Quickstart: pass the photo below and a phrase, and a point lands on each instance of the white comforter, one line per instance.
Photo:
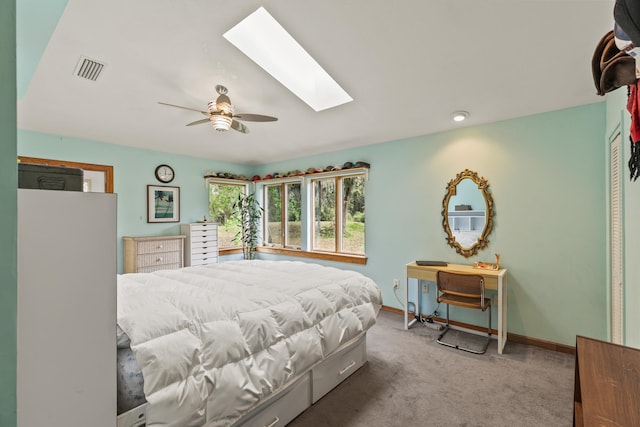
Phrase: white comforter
(214, 341)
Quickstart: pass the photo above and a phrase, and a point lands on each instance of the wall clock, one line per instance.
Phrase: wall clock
(164, 173)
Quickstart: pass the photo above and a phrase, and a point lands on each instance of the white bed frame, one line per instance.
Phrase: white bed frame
(282, 407)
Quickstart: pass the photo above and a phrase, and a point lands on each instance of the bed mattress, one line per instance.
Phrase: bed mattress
(215, 341)
(130, 382)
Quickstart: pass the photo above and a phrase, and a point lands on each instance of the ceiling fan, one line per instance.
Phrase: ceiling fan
(221, 114)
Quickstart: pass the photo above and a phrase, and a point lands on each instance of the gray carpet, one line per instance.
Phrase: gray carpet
(410, 380)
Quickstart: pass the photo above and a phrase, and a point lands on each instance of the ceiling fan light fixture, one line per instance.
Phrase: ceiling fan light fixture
(221, 122)
(223, 104)
(460, 116)
(221, 111)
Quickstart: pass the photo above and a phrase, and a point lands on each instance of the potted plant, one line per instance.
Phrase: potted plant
(249, 212)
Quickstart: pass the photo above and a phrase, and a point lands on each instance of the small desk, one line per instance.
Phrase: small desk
(606, 384)
(493, 280)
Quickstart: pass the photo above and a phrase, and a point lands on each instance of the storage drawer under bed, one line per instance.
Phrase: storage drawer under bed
(285, 408)
(337, 368)
(136, 417)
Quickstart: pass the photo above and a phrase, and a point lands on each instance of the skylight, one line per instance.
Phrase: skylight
(262, 38)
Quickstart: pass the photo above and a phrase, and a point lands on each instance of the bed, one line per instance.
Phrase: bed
(238, 343)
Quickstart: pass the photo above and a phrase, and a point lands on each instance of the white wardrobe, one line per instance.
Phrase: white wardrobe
(66, 349)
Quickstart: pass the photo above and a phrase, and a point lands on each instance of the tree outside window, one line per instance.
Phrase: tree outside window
(222, 196)
(283, 225)
(338, 214)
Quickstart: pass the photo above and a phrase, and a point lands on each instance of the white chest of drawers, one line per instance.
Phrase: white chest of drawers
(201, 243)
(151, 253)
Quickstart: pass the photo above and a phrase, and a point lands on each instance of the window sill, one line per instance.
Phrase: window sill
(329, 256)
(229, 251)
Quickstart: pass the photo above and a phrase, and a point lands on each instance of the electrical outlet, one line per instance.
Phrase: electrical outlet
(425, 288)
(396, 283)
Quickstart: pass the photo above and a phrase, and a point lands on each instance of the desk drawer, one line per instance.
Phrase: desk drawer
(337, 368)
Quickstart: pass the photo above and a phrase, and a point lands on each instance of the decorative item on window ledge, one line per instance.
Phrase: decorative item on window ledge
(291, 173)
(225, 175)
(163, 203)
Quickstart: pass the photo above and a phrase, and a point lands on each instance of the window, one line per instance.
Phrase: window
(319, 215)
(222, 196)
(283, 225)
(338, 214)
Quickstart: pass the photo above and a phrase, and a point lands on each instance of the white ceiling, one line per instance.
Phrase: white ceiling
(408, 64)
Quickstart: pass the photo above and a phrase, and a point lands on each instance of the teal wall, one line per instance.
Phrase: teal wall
(8, 214)
(546, 174)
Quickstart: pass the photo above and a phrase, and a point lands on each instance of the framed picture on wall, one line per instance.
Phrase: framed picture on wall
(163, 203)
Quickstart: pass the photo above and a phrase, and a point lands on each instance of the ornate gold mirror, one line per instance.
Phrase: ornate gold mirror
(467, 213)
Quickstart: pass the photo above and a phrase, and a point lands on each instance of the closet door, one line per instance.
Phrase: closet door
(66, 349)
(616, 235)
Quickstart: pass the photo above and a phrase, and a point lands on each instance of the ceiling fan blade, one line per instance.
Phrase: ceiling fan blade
(198, 122)
(206, 113)
(254, 117)
(239, 126)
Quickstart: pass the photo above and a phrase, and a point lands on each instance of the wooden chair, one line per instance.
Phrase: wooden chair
(463, 290)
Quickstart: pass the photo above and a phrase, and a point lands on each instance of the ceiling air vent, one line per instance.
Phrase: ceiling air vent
(89, 69)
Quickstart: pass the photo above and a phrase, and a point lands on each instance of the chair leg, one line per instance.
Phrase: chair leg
(446, 329)
(447, 315)
(486, 344)
(489, 320)
(442, 334)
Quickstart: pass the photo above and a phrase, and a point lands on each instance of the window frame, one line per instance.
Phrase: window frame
(226, 181)
(284, 213)
(338, 181)
(306, 191)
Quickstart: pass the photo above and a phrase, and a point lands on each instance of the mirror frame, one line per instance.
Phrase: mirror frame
(483, 186)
